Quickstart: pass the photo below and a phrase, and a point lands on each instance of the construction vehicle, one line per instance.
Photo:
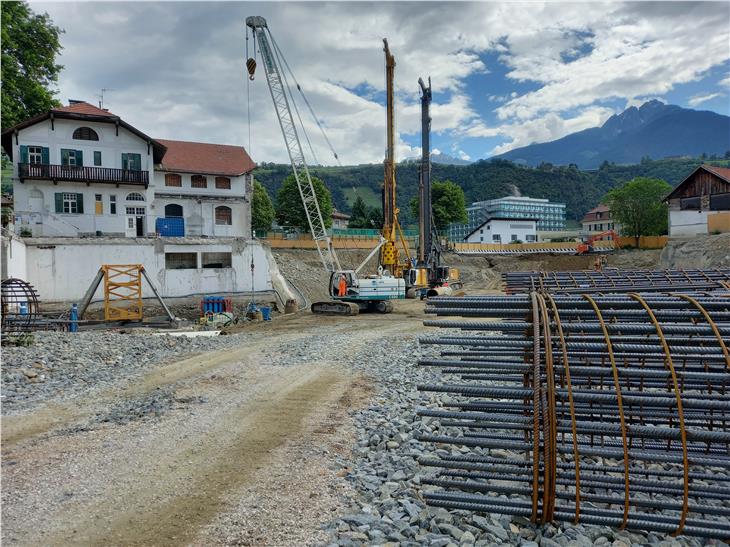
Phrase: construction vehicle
(370, 292)
(586, 247)
(429, 275)
(394, 254)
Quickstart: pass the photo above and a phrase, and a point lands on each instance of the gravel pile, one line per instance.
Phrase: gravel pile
(385, 473)
(62, 365)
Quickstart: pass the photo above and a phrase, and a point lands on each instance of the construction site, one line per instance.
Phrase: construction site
(404, 393)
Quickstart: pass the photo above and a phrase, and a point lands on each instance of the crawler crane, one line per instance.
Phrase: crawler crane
(350, 293)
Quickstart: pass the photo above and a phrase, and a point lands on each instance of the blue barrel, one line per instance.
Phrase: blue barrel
(265, 312)
(170, 226)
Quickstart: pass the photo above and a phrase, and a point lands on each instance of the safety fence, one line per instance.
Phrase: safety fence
(569, 247)
(609, 410)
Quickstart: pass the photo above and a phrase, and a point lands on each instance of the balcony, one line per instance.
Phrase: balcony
(73, 173)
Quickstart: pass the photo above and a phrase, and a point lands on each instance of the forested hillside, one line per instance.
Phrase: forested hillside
(487, 179)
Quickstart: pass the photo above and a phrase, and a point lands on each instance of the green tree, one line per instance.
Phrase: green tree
(637, 206)
(30, 44)
(447, 202)
(360, 217)
(289, 207)
(262, 210)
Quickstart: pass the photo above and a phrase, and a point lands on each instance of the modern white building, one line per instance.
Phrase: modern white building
(504, 230)
(82, 171)
(550, 216)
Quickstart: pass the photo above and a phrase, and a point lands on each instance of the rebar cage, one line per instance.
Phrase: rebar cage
(20, 307)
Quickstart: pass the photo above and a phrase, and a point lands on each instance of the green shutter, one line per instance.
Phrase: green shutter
(59, 202)
(124, 160)
(64, 156)
(80, 203)
(45, 156)
(79, 158)
(23, 153)
(136, 162)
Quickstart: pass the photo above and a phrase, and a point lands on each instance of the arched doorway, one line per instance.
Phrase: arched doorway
(173, 210)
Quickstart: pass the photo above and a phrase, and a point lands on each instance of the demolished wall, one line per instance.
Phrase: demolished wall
(698, 252)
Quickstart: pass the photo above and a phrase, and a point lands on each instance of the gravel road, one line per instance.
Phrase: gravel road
(298, 432)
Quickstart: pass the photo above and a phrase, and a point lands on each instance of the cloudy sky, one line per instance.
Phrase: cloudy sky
(504, 74)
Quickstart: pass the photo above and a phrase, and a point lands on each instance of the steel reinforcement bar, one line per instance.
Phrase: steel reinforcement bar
(614, 280)
(597, 409)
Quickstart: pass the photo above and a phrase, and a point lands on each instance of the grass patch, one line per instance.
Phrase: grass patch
(368, 195)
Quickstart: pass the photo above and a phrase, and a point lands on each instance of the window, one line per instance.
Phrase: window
(97, 157)
(198, 181)
(70, 203)
(496, 238)
(172, 179)
(181, 261)
(132, 162)
(513, 237)
(98, 205)
(173, 210)
(531, 238)
(72, 157)
(113, 205)
(135, 211)
(216, 260)
(135, 196)
(35, 154)
(223, 183)
(223, 215)
(85, 134)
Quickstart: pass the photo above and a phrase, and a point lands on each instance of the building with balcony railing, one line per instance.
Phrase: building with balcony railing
(80, 170)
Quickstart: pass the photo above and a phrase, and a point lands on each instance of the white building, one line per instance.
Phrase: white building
(599, 220)
(82, 171)
(90, 189)
(504, 230)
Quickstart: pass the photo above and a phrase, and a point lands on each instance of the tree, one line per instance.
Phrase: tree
(262, 210)
(30, 44)
(289, 206)
(637, 206)
(447, 202)
(360, 217)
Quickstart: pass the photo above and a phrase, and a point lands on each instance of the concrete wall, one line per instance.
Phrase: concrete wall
(13, 258)
(62, 269)
(687, 223)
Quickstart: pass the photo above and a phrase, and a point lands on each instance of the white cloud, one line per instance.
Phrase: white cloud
(725, 82)
(181, 71)
(463, 155)
(699, 99)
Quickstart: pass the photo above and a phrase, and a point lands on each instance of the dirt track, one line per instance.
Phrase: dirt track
(184, 478)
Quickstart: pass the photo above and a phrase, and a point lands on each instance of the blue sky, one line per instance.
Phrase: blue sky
(504, 74)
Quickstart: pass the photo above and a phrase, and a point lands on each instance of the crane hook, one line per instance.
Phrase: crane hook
(251, 66)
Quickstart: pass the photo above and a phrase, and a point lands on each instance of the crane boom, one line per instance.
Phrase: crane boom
(277, 86)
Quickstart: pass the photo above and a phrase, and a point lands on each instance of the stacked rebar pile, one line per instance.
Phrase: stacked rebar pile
(610, 410)
(614, 280)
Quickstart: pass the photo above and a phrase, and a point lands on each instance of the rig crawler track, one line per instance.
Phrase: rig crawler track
(614, 409)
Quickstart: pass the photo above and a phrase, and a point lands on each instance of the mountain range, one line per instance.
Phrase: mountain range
(654, 130)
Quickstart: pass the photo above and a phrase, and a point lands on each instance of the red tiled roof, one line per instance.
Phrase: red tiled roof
(590, 216)
(722, 172)
(203, 158)
(84, 108)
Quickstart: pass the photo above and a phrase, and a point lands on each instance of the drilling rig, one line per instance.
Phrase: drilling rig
(429, 274)
(350, 292)
(394, 254)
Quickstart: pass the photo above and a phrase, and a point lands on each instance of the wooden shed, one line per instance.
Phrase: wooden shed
(698, 200)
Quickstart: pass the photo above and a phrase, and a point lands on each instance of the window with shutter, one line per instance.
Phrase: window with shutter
(223, 215)
(97, 157)
(173, 179)
(198, 181)
(35, 154)
(223, 183)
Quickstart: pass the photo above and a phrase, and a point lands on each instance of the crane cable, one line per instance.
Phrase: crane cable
(251, 66)
(306, 101)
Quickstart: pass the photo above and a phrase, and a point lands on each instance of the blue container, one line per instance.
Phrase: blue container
(23, 308)
(170, 226)
(265, 312)
(73, 325)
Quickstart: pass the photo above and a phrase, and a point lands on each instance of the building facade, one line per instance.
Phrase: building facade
(700, 204)
(82, 171)
(550, 216)
(599, 220)
(504, 230)
(339, 220)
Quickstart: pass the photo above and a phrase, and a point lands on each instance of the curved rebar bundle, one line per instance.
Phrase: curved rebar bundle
(614, 409)
(613, 280)
(19, 306)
